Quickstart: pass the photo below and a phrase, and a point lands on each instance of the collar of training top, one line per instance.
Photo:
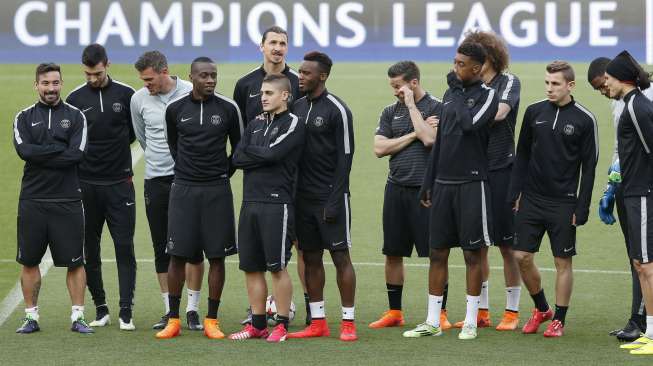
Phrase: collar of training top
(325, 92)
(103, 87)
(274, 117)
(630, 94)
(285, 70)
(571, 103)
(198, 101)
(45, 105)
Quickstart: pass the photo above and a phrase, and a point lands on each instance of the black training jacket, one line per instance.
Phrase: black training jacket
(247, 92)
(52, 141)
(269, 153)
(634, 143)
(328, 151)
(459, 153)
(197, 132)
(110, 131)
(555, 145)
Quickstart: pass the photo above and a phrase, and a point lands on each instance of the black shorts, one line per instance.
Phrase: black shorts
(461, 216)
(405, 222)
(57, 224)
(314, 233)
(264, 239)
(157, 195)
(537, 216)
(639, 211)
(502, 214)
(201, 221)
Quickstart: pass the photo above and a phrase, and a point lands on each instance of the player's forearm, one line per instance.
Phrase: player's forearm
(423, 131)
(386, 146)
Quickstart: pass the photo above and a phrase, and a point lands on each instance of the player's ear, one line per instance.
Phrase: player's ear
(323, 76)
(571, 84)
(285, 95)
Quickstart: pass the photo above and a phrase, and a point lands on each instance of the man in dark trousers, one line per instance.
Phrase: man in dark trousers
(201, 215)
(105, 177)
(322, 205)
(455, 187)
(51, 136)
(558, 143)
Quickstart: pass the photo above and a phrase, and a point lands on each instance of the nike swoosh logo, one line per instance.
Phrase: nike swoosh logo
(186, 119)
(254, 95)
(445, 103)
(87, 109)
(336, 244)
(76, 259)
(398, 117)
(36, 123)
(130, 203)
(567, 250)
(255, 131)
(507, 237)
(474, 242)
(540, 122)
(228, 249)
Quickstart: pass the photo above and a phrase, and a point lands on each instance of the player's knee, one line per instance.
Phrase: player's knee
(563, 264)
(438, 256)
(472, 258)
(523, 258)
(341, 260)
(312, 257)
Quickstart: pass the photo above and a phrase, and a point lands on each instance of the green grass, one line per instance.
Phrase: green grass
(600, 301)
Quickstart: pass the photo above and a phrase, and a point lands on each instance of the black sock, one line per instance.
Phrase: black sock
(174, 306)
(259, 321)
(101, 310)
(540, 301)
(394, 296)
(213, 309)
(445, 295)
(308, 308)
(282, 320)
(125, 314)
(561, 313)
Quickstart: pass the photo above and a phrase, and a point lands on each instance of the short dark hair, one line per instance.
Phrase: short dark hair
(495, 48)
(199, 60)
(273, 29)
(154, 59)
(473, 50)
(45, 68)
(564, 67)
(323, 60)
(94, 54)
(408, 70)
(597, 68)
(280, 80)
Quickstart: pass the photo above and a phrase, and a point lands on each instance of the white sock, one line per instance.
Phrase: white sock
(77, 312)
(347, 313)
(32, 313)
(649, 326)
(434, 308)
(484, 295)
(193, 303)
(317, 309)
(473, 303)
(166, 301)
(512, 298)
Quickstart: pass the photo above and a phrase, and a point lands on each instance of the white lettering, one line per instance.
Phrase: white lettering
(62, 24)
(199, 26)
(551, 16)
(342, 17)
(254, 18)
(529, 26)
(20, 24)
(434, 25)
(398, 33)
(234, 24)
(477, 20)
(115, 24)
(150, 20)
(597, 23)
(302, 19)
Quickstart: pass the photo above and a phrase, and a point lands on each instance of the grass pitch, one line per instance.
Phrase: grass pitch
(600, 302)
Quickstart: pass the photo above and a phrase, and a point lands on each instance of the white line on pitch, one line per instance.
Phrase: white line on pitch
(381, 264)
(11, 301)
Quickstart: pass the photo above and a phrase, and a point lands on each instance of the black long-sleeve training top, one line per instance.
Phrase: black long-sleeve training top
(110, 131)
(555, 145)
(328, 151)
(52, 141)
(269, 153)
(247, 92)
(197, 132)
(634, 143)
(501, 147)
(459, 153)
